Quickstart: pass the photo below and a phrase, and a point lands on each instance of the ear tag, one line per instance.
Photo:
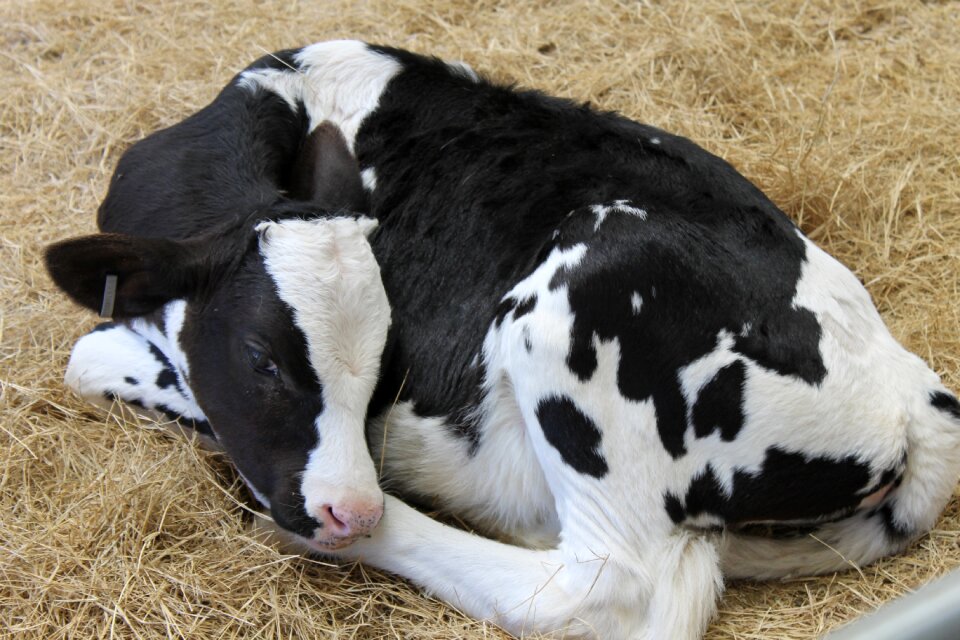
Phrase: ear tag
(109, 296)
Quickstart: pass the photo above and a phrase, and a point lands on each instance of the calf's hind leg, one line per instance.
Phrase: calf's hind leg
(115, 362)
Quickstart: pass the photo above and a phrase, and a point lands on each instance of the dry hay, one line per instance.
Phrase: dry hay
(846, 116)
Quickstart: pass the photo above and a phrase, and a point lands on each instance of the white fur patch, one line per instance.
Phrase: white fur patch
(340, 81)
(617, 206)
(325, 271)
(423, 457)
(369, 178)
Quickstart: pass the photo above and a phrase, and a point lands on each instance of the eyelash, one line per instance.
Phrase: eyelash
(259, 361)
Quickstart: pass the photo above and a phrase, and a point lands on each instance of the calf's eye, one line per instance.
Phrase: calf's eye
(260, 361)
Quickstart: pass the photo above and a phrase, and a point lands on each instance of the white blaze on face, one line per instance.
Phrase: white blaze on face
(326, 272)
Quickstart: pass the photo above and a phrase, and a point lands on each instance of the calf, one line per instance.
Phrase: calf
(608, 345)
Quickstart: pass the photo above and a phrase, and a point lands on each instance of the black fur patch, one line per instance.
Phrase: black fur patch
(674, 508)
(231, 159)
(778, 531)
(720, 403)
(289, 511)
(789, 486)
(200, 426)
(166, 378)
(133, 402)
(519, 308)
(573, 434)
(168, 375)
(506, 305)
(895, 531)
(526, 306)
(947, 403)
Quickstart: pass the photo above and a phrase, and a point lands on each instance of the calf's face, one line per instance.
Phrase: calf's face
(283, 329)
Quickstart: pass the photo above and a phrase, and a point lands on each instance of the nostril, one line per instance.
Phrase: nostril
(346, 519)
(337, 523)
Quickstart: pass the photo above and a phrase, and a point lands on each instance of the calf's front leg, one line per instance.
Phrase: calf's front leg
(667, 591)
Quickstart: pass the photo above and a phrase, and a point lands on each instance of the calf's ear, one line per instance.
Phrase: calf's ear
(119, 275)
(326, 173)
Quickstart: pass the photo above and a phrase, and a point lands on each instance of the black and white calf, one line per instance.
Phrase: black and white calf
(606, 344)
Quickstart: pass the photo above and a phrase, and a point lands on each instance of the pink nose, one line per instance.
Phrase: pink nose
(346, 521)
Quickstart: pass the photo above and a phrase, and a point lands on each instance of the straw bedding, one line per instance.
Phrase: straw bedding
(846, 116)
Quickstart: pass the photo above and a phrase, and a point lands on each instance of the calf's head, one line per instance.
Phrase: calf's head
(284, 326)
